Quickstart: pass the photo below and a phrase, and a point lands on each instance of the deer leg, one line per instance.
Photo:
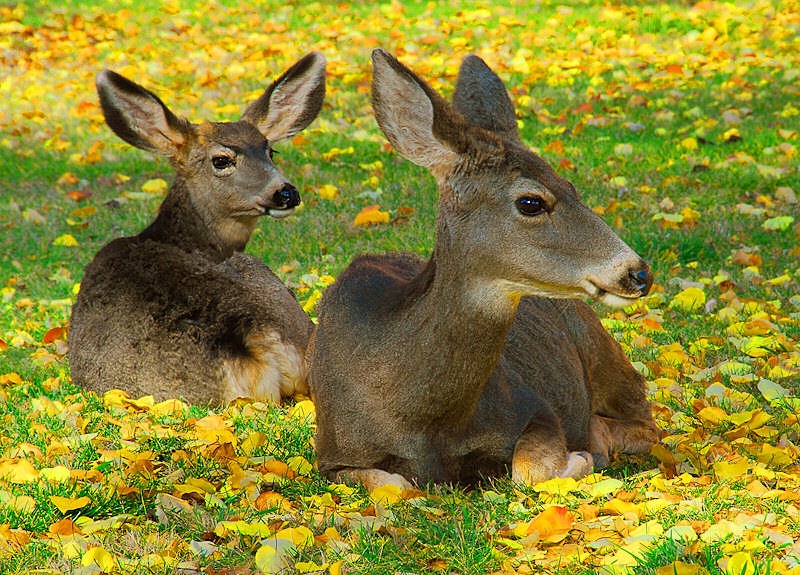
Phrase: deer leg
(541, 454)
(623, 435)
(621, 419)
(372, 478)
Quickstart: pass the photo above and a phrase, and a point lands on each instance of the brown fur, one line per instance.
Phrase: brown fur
(179, 310)
(450, 369)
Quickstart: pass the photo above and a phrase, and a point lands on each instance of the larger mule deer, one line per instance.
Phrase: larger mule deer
(451, 369)
(179, 310)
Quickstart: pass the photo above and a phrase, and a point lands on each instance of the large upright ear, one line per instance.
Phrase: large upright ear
(417, 121)
(482, 99)
(292, 101)
(138, 116)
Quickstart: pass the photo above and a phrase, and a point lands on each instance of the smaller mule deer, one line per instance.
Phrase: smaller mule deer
(454, 369)
(179, 310)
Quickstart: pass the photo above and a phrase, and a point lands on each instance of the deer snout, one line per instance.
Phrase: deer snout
(640, 279)
(287, 197)
(284, 200)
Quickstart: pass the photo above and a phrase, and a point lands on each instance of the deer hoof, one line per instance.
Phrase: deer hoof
(579, 464)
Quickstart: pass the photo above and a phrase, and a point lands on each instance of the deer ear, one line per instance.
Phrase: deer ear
(482, 99)
(138, 116)
(292, 101)
(419, 124)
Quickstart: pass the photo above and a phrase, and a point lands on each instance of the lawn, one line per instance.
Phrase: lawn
(677, 122)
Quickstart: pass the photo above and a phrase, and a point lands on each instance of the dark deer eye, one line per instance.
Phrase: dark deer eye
(222, 162)
(531, 206)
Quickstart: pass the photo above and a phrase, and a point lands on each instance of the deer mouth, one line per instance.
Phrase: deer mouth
(610, 297)
(279, 213)
(269, 209)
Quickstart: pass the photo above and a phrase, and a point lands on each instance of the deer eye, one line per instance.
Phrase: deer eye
(531, 206)
(222, 162)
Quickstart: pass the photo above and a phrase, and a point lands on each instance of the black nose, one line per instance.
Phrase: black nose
(641, 279)
(287, 197)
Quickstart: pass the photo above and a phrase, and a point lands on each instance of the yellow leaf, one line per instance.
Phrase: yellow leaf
(66, 504)
(333, 152)
(223, 528)
(214, 429)
(691, 299)
(328, 192)
(604, 487)
(725, 470)
(272, 556)
(712, 415)
(304, 410)
(155, 186)
(100, 557)
(10, 378)
(67, 240)
(311, 303)
(170, 407)
(619, 507)
(300, 465)
(309, 567)
(254, 441)
(740, 563)
(778, 223)
(386, 494)
(779, 372)
(774, 456)
(689, 144)
(300, 536)
(371, 215)
(57, 474)
(557, 486)
(18, 470)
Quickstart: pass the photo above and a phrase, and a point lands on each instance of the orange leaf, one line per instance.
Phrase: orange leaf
(279, 468)
(53, 334)
(675, 69)
(78, 195)
(371, 215)
(552, 523)
(64, 527)
(566, 164)
(67, 179)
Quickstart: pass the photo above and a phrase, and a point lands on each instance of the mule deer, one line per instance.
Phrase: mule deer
(454, 368)
(179, 310)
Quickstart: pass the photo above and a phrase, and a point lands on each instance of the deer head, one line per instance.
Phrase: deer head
(225, 167)
(504, 213)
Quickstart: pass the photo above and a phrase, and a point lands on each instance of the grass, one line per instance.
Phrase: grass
(634, 102)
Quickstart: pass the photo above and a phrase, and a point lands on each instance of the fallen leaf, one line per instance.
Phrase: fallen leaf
(371, 215)
(67, 504)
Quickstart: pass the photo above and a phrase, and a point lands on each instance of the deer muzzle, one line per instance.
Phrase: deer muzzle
(285, 200)
(633, 283)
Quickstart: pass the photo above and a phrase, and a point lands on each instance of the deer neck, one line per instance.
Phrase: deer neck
(459, 322)
(183, 224)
